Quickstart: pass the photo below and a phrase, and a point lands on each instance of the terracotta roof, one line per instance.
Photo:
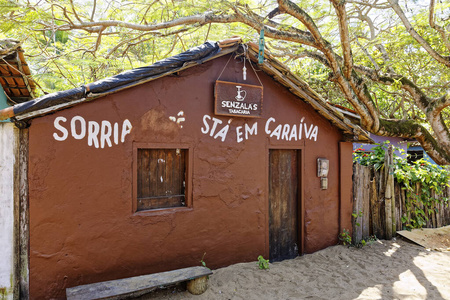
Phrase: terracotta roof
(15, 76)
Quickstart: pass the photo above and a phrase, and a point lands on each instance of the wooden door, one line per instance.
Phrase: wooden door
(283, 204)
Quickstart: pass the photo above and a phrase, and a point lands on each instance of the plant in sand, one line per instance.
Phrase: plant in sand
(263, 263)
(345, 237)
(202, 261)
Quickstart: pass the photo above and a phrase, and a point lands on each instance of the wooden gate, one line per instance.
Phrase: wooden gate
(283, 203)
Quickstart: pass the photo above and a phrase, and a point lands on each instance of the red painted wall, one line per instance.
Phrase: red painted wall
(82, 225)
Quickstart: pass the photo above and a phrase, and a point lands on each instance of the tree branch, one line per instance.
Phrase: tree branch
(298, 13)
(374, 63)
(93, 11)
(339, 7)
(438, 28)
(74, 11)
(207, 17)
(440, 103)
(128, 41)
(379, 6)
(410, 128)
(445, 60)
(275, 30)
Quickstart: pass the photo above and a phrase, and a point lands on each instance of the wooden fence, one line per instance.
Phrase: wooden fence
(379, 210)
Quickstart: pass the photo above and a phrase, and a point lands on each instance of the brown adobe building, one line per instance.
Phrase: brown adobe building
(150, 176)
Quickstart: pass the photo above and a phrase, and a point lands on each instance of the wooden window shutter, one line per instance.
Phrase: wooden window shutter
(161, 178)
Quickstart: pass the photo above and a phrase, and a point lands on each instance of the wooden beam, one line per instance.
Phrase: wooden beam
(6, 113)
(21, 284)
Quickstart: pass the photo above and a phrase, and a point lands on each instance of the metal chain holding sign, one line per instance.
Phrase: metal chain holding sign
(245, 47)
(244, 69)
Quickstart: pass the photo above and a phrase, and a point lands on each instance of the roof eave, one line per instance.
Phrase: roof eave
(271, 66)
(93, 96)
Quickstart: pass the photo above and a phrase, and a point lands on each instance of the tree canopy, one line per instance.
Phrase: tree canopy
(389, 60)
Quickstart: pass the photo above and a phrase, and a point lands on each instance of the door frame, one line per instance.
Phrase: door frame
(300, 200)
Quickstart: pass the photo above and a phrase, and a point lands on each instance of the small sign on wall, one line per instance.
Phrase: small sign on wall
(238, 99)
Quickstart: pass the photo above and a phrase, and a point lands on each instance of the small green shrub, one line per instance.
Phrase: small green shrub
(202, 261)
(345, 237)
(263, 264)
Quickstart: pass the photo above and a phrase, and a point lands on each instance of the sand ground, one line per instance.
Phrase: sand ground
(394, 269)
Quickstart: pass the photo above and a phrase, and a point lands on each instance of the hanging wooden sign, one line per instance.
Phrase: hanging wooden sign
(238, 99)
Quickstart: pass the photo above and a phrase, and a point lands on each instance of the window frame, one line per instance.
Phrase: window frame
(187, 179)
(412, 155)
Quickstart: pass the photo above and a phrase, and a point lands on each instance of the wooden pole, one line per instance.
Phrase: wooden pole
(388, 196)
(21, 206)
(440, 212)
(381, 183)
(391, 180)
(365, 203)
(433, 210)
(405, 212)
(6, 113)
(357, 203)
(375, 208)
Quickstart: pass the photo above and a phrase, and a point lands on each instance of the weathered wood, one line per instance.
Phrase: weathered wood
(366, 203)
(433, 211)
(391, 182)
(408, 209)
(446, 211)
(419, 193)
(428, 217)
(134, 286)
(161, 175)
(370, 185)
(21, 216)
(380, 188)
(439, 214)
(357, 203)
(405, 212)
(382, 206)
(375, 208)
(238, 99)
(283, 204)
(388, 196)
(6, 113)
(356, 187)
(17, 215)
(398, 207)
